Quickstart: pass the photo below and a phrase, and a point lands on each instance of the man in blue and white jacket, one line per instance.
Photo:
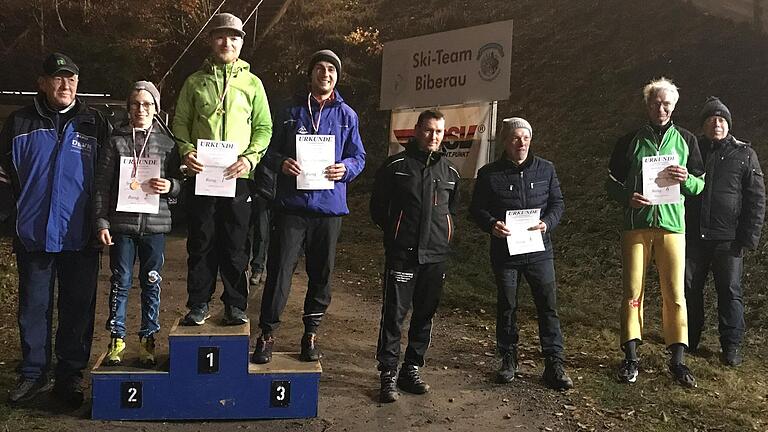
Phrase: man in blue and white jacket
(48, 154)
(308, 220)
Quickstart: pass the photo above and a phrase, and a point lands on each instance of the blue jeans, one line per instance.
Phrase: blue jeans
(122, 256)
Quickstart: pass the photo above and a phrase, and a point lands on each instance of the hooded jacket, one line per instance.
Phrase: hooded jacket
(732, 205)
(159, 146)
(242, 117)
(335, 118)
(414, 200)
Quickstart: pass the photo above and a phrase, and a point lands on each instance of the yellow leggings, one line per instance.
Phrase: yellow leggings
(668, 251)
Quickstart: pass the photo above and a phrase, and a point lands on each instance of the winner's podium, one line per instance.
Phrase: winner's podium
(206, 375)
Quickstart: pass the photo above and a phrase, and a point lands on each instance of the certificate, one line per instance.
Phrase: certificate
(216, 156)
(521, 240)
(315, 153)
(133, 191)
(658, 186)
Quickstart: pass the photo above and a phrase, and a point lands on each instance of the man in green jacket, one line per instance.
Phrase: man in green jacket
(652, 228)
(223, 101)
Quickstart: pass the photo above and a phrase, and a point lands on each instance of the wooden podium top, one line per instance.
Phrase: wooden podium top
(214, 326)
(285, 362)
(130, 364)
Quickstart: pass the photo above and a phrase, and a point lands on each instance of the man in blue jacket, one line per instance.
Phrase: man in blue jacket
(308, 220)
(519, 180)
(48, 153)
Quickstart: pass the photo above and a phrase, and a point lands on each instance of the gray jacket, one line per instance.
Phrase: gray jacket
(161, 146)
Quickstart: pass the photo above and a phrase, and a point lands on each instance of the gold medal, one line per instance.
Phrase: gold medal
(134, 184)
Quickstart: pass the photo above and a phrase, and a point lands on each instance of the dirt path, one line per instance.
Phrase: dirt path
(460, 371)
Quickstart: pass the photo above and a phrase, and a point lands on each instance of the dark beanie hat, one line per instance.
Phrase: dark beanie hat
(714, 107)
(324, 55)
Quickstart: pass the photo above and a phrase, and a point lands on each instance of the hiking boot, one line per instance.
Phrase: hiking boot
(731, 356)
(682, 375)
(196, 316)
(263, 352)
(628, 371)
(409, 380)
(147, 351)
(233, 315)
(115, 352)
(309, 350)
(506, 373)
(27, 388)
(554, 374)
(255, 278)
(388, 392)
(69, 390)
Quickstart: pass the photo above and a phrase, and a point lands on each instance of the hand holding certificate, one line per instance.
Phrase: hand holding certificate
(659, 185)
(521, 238)
(315, 153)
(215, 157)
(135, 191)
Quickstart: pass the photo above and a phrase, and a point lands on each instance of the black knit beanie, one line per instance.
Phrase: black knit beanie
(714, 107)
(324, 55)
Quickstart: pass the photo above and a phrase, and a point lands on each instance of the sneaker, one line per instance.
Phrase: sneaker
(69, 390)
(27, 388)
(628, 371)
(196, 315)
(233, 315)
(255, 278)
(147, 351)
(409, 380)
(263, 352)
(682, 375)
(309, 350)
(554, 375)
(506, 373)
(731, 356)
(115, 351)
(388, 392)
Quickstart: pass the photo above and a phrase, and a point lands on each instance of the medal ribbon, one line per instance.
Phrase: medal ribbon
(141, 152)
(315, 126)
(227, 80)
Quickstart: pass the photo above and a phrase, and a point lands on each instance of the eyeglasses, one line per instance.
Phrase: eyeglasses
(145, 105)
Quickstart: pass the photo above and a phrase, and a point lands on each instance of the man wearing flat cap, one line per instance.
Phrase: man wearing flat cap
(48, 154)
(222, 101)
(308, 218)
(722, 222)
(520, 180)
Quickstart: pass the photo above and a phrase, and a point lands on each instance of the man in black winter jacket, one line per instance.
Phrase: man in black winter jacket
(413, 201)
(723, 221)
(519, 180)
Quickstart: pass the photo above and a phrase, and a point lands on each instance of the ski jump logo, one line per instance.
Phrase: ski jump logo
(456, 137)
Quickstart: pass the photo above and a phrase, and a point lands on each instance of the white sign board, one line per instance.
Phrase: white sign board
(467, 134)
(454, 67)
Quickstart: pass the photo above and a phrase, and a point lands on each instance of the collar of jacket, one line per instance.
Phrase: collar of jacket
(506, 163)
(41, 105)
(209, 66)
(126, 128)
(426, 157)
(300, 99)
(728, 140)
(660, 130)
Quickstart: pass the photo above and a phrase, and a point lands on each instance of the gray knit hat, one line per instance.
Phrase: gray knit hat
(226, 21)
(324, 55)
(714, 107)
(148, 87)
(516, 122)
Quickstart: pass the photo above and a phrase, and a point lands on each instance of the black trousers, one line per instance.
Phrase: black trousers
(406, 285)
(725, 260)
(260, 219)
(541, 278)
(316, 235)
(218, 244)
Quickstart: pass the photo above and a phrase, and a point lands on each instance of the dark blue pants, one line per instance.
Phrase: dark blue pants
(408, 285)
(260, 219)
(77, 274)
(122, 256)
(725, 260)
(541, 278)
(292, 234)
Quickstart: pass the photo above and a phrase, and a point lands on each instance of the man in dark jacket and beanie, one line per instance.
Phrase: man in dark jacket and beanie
(308, 220)
(520, 180)
(722, 222)
(414, 201)
(48, 154)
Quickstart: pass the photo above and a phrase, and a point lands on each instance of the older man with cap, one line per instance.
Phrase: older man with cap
(655, 229)
(721, 223)
(520, 180)
(222, 101)
(308, 217)
(48, 154)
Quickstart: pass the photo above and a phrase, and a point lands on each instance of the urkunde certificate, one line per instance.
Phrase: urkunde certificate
(658, 186)
(314, 153)
(215, 156)
(521, 240)
(133, 191)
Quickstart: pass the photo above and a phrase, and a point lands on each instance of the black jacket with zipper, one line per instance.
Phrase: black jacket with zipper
(503, 185)
(414, 201)
(732, 205)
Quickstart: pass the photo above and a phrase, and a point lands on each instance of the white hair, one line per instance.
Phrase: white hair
(660, 85)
